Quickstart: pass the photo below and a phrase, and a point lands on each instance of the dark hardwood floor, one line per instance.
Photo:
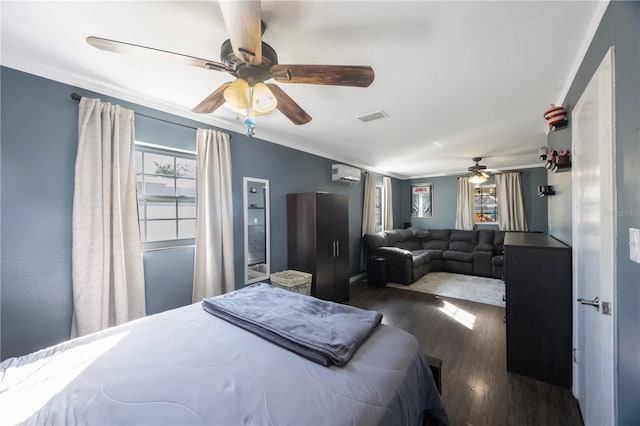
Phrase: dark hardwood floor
(470, 339)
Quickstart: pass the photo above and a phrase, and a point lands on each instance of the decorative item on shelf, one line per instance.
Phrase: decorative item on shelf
(544, 190)
(556, 117)
(562, 162)
(558, 162)
(551, 159)
(563, 157)
(543, 151)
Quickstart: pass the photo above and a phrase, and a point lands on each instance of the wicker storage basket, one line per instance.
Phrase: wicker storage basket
(296, 281)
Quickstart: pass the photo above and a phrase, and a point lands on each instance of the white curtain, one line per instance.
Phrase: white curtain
(369, 206)
(388, 203)
(465, 209)
(214, 266)
(368, 212)
(107, 270)
(510, 205)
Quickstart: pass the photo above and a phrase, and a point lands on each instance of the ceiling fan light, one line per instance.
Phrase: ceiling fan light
(477, 178)
(263, 100)
(237, 94)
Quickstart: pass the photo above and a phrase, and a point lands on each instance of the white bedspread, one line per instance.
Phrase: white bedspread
(185, 367)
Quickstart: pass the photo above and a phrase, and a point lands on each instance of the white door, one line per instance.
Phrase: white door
(593, 181)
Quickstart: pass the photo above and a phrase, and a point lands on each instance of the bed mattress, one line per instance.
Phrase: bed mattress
(186, 367)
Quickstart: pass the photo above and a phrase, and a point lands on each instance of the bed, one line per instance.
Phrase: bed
(188, 367)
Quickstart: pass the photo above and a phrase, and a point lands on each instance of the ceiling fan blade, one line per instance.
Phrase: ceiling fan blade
(334, 75)
(243, 22)
(212, 102)
(288, 106)
(134, 49)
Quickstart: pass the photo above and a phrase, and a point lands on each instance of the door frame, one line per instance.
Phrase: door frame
(608, 205)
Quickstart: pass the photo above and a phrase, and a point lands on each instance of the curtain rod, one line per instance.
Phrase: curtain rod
(76, 97)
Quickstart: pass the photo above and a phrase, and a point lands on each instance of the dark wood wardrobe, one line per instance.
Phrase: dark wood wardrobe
(318, 241)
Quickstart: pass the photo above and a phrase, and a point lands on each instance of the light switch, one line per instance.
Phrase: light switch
(634, 244)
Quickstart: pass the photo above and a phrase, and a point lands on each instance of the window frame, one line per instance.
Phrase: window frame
(142, 199)
(481, 204)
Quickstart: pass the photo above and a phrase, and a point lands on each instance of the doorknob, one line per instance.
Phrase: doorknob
(595, 302)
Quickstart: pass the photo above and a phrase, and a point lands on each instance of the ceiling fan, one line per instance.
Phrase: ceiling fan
(477, 173)
(251, 61)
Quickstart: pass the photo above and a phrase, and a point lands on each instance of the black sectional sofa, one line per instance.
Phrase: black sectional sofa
(411, 253)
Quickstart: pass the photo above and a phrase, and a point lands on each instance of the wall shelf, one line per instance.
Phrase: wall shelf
(544, 190)
(561, 167)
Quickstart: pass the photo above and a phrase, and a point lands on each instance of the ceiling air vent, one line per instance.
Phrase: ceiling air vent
(376, 115)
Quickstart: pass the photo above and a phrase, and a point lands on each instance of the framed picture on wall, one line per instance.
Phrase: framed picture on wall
(422, 200)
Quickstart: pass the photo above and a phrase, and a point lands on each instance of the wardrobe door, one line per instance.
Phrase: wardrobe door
(301, 233)
(324, 248)
(340, 234)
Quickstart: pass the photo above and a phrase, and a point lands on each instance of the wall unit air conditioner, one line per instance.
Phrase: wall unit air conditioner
(344, 173)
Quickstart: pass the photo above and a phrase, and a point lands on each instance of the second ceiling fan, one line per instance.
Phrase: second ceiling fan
(252, 62)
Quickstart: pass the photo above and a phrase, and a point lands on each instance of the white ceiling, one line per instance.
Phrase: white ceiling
(457, 79)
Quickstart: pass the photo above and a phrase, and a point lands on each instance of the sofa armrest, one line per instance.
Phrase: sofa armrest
(399, 264)
(393, 253)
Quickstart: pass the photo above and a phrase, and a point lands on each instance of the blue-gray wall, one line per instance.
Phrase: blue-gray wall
(620, 27)
(39, 141)
(445, 193)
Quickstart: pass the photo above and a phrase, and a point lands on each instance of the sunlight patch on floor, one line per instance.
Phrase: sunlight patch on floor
(463, 317)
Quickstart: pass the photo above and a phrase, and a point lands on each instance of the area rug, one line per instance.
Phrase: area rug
(467, 287)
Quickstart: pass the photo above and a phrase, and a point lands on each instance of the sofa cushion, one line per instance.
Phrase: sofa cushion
(485, 240)
(420, 232)
(497, 260)
(460, 256)
(421, 257)
(437, 239)
(395, 236)
(435, 254)
(408, 245)
(464, 241)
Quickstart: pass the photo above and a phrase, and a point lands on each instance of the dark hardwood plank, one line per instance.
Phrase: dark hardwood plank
(477, 390)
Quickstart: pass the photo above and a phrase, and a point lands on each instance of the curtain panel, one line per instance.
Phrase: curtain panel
(465, 208)
(511, 216)
(388, 203)
(107, 270)
(368, 212)
(369, 205)
(214, 260)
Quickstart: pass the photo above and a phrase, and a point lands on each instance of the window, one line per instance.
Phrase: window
(166, 185)
(486, 204)
(379, 201)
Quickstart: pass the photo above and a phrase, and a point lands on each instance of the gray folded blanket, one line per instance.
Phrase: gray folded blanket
(324, 332)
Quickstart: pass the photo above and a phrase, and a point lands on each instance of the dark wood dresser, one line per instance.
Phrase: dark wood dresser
(537, 270)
